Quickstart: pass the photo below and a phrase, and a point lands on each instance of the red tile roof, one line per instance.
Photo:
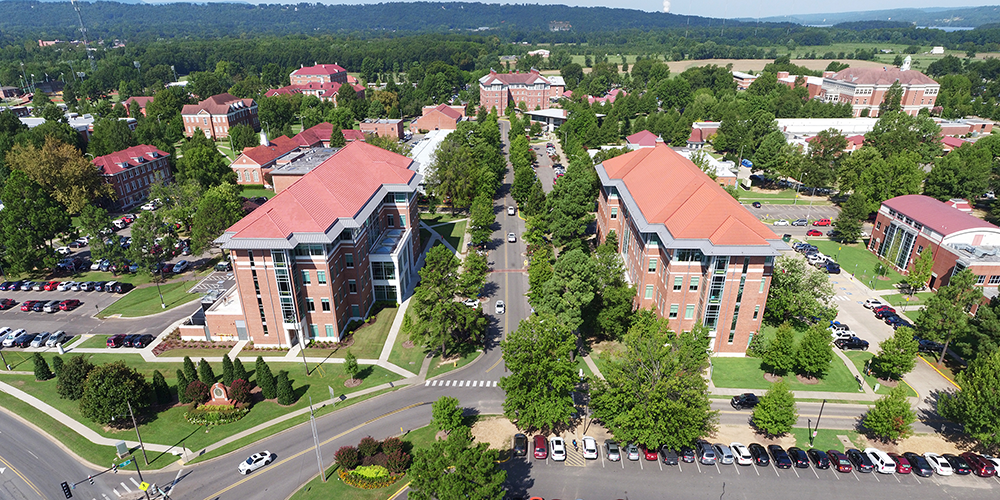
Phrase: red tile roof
(140, 100)
(319, 69)
(950, 143)
(443, 108)
(315, 136)
(353, 135)
(935, 214)
(111, 164)
(885, 76)
(671, 190)
(262, 155)
(528, 78)
(218, 104)
(643, 138)
(339, 187)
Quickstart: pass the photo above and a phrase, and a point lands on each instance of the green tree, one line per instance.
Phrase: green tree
(241, 137)
(182, 385)
(897, 354)
(161, 390)
(945, 314)
(239, 371)
(446, 415)
(93, 221)
(892, 101)
(205, 373)
(474, 272)
(921, 271)
(180, 200)
(337, 139)
(814, 353)
(28, 224)
(891, 419)
(542, 373)
(482, 218)
(351, 365)
(456, 468)
(108, 391)
(848, 222)
(190, 370)
(654, 392)
(204, 163)
(57, 365)
(976, 406)
(779, 358)
(776, 413)
(265, 379)
(898, 132)
(798, 291)
(965, 172)
(42, 371)
(286, 395)
(110, 136)
(227, 371)
(441, 320)
(571, 289)
(218, 209)
(72, 376)
(770, 157)
(67, 176)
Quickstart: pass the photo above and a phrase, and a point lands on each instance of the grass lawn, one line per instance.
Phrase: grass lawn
(146, 301)
(425, 237)
(368, 340)
(859, 358)
(407, 359)
(440, 217)
(95, 341)
(826, 439)
(949, 368)
(745, 373)
(858, 260)
(253, 193)
(452, 233)
(437, 368)
(899, 299)
(582, 365)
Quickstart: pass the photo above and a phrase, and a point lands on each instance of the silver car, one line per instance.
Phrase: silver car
(612, 451)
(51, 306)
(56, 338)
(40, 339)
(706, 454)
(724, 453)
(632, 452)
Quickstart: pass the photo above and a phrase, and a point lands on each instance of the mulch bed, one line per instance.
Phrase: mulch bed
(770, 377)
(408, 344)
(352, 382)
(807, 380)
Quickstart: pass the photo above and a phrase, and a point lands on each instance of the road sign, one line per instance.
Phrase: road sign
(144, 486)
(123, 464)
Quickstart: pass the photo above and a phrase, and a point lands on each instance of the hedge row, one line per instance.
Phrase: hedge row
(215, 415)
(358, 480)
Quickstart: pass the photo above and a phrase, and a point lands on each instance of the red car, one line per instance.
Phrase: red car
(649, 453)
(980, 466)
(814, 232)
(51, 286)
(839, 460)
(7, 303)
(116, 340)
(902, 464)
(822, 222)
(28, 304)
(68, 304)
(541, 447)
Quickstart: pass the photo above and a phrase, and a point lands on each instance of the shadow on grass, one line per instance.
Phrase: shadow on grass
(179, 443)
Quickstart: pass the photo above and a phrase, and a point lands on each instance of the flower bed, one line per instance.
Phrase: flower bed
(173, 341)
(369, 477)
(215, 414)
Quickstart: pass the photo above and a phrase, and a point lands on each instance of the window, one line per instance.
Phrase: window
(310, 305)
(305, 278)
(239, 176)
(920, 248)
(614, 212)
(313, 331)
(652, 265)
(330, 331)
(980, 279)
(355, 311)
(256, 178)
(402, 220)
(878, 225)
(689, 312)
(673, 310)
(693, 284)
(678, 283)
(390, 220)
(326, 304)
(761, 287)
(649, 291)
(352, 286)
(995, 279)
(321, 277)
(756, 311)
(350, 259)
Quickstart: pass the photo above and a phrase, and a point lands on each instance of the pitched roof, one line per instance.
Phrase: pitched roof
(111, 164)
(884, 76)
(353, 135)
(264, 154)
(643, 138)
(443, 108)
(319, 69)
(529, 78)
(671, 190)
(142, 101)
(218, 104)
(338, 188)
(935, 214)
(315, 135)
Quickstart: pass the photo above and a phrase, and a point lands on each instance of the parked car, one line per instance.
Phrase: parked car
(819, 459)
(65, 286)
(255, 461)
(24, 340)
(6, 285)
(939, 464)
(87, 286)
(11, 337)
(589, 448)
(224, 266)
(56, 338)
(51, 286)
(181, 266)
(26, 286)
(744, 401)
(632, 452)
(860, 460)
(6, 303)
(839, 461)
(980, 466)
(39, 340)
(882, 462)
(902, 464)
(116, 340)
(814, 232)
(99, 286)
(851, 343)
(832, 268)
(884, 312)
(612, 451)
(28, 304)
(799, 222)
(121, 287)
(706, 453)
(756, 204)
(669, 455)
(724, 453)
(500, 307)
(822, 222)
(919, 464)
(558, 449)
(127, 341)
(873, 303)
(39, 306)
(541, 448)
(687, 454)
(51, 306)
(759, 455)
(779, 456)
(649, 453)
(798, 457)
(142, 341)
(741, 454)
(958, 464)
(780, 222)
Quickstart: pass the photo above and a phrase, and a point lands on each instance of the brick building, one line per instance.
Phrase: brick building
(531, 88)
(907, 226)
(320, 73)
(383, 128)
(131, 171)
(692, 251)
(324, 91)
(321, 252)
(865, 88)
(136, 105)
(217, 114)
(440, 117)
(253, 163)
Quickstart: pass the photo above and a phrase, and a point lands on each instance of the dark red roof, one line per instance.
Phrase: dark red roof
(111, 164)
(320, 69)
(353, 135)
(882, 76)
(315, 136)
(218, 104)
(263, 155)
(935, 214)
(643, 138)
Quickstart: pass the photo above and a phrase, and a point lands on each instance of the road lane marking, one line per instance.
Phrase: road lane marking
(263, 471)
(815, 473)
(28, 482)
(494, 365)
(136, 483)
(127, 489)
(427, 383)
(796, 472)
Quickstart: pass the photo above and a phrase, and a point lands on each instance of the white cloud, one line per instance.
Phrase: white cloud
(666, 5)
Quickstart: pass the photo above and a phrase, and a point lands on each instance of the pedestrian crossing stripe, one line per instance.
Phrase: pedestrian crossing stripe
(460, 383)
(842, 297)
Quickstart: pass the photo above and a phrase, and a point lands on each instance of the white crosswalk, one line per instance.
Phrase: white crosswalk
(843, 297)
(460, 383)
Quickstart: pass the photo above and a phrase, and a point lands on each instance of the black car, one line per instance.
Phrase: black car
(929, 346)
(39, 306)
(779, 456)
(142, 341)
(957, 463)
(833, 268)
(851, 343)
(99, 286)
(6, 303)
(799, 458)
(520, 443)
(129, 339)
(918, 464)
(24, 340)
(687, 454)
(756, 204)
(759, 454)
(668, 455)
(819, 459)
(860, 460)
(745, 400)
(121, 287)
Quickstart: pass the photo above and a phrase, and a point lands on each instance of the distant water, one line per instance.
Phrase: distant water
(947, 29)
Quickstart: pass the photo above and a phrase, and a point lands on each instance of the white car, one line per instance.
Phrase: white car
(56, 339)
(511, 210)
(780, 222)
(65, 286)
(473, 303)
(95, 266)
(873, 303)
(8, 341)
(501, 308)
(64, 250)
(884, 464)
(255, 461)
(939, 464)
(994, 460)
(511, 237)
(741, 453)
(558, 448)
(589, 448)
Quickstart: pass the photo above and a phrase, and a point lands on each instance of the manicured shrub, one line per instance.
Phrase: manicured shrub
(182, 384)
(286, 396)
(398, 461)
(228, 374)
(205, 373)
(215, 415)
(42, 371)
(368, 446)
(265, 379)
(161, 391)
(347, 457)
(197, 392)
(57, 364)
(240, 391)
(190, 372)
(369, 478)
(391, 445)
(239, 372)
(74, 374)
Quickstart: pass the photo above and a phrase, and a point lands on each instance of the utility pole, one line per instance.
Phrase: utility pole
(319, 454)
(83, 31)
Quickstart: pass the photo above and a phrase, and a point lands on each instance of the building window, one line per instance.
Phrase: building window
(981, 279)
(673, 310)
(678, 283)
(352, 286)
(652, 265)
(350, 259)
(689, 312)
(321, 277)
(306, 280)
(325, 303)
(920, 248)
(239, 176)
(390, 220)
(761, 286)
(649, 291)
(614, 212)
(313, 331)
(756, 311)
(355, 311)
(310, 305)
(329, 331)
(878, 224)
(995, 279)
(402, 220)
(693, 285)
(256, 178)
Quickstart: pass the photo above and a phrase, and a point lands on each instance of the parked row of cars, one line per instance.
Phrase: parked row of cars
(22, 338)
(49, 306)
(800, 222)
(817, 259)
(138, 340)
(68, 286)
(844, 338)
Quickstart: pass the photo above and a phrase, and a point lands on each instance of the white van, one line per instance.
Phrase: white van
(883, 464)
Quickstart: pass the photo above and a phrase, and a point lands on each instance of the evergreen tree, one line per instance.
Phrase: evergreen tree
(775, 414)
(848, 223)
(286, 396)
(160, 388)
(190, 371)
(72, 376)
(57, 364)
(976, 406)
(351, 365)
(205, 373)
(182, 385)
(779, 358)
(42, 371)
(337, 139)
(891, 419)
(265, 379)
(239, 372)
(228, 374)
(945, 315)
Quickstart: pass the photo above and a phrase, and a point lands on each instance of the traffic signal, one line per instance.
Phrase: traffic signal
(114, 468)
(91, 479)
(66, 490)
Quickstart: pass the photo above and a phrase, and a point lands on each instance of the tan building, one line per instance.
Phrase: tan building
(383, 128)
(440, 117)
(865, 88)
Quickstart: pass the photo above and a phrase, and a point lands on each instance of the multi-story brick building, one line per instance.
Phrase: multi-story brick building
(440, 117)
(131, 171)
(384, 128)
(692, 251)
(865, 88)
(134, 106)
(320, 73)
(531, 88)
(217, 114)
(253, 163)
(907, 226)
(321, 252)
